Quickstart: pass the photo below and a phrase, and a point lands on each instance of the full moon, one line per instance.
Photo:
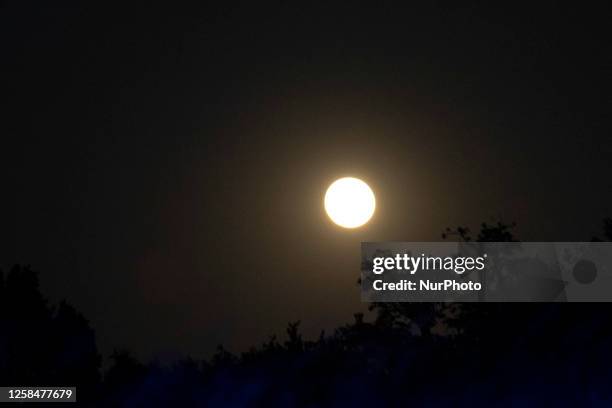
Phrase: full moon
(349, 202)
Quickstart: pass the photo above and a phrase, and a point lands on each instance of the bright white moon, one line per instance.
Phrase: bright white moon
(349, 202)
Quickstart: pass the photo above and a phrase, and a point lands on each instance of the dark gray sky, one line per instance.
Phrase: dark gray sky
(164, 168)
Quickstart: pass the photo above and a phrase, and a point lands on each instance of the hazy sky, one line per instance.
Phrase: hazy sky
(164, 168)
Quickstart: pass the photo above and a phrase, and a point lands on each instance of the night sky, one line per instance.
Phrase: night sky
(164, 167)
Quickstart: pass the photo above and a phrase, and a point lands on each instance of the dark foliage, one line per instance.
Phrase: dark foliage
(410, 354)
(40, 344)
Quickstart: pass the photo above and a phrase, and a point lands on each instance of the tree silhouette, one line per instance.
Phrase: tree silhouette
(418, 354)
(40, 344)
(607, 230)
